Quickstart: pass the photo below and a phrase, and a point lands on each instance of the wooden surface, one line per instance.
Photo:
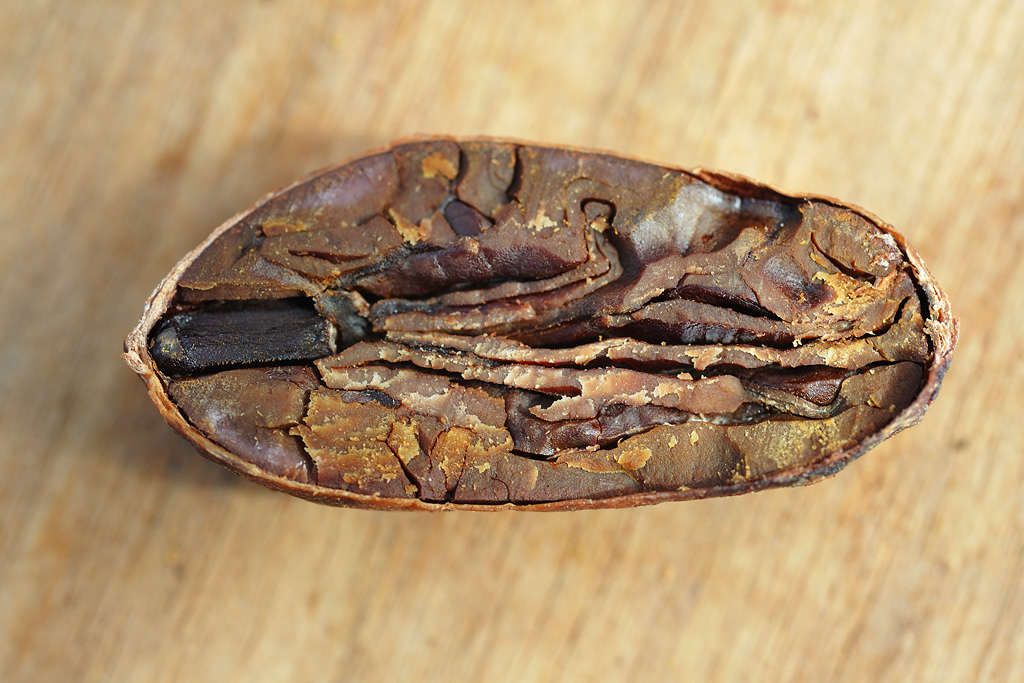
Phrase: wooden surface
(131, 129)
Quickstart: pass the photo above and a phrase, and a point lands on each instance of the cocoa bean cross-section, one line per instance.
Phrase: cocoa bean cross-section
(482, 323)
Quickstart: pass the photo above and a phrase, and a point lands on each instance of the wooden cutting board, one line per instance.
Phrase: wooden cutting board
(130, 130)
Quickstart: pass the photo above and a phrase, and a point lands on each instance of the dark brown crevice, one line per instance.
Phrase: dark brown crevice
(350, 324)
(209, 372)
(885, 327)
(322, 255)
(697, 333)
(453, 490)
(788, 217)
(389, 260)
(606, 431)
(314, 473)
(593, 208)
(459, 177)
(369, 396)
(922, 300)
(517, 176)
(405, 469)
(717, 299)
(841, 267)
(508, 492)
(443, 352)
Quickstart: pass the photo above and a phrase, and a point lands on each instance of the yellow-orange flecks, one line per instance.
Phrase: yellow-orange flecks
(438, 164)
(705, 357)
(532, 476)
(635, 458)
(410, 232)
(404, 440)
(541, 221)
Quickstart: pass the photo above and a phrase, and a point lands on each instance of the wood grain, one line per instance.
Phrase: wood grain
(130, 130)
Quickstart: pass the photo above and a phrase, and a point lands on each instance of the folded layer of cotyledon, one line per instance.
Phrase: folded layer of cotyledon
(483, 323)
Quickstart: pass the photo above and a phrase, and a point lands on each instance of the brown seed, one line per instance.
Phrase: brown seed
(453, 324)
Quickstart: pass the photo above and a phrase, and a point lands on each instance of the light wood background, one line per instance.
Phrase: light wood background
(129, 130)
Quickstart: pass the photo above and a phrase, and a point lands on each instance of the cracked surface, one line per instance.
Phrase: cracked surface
(474, 323)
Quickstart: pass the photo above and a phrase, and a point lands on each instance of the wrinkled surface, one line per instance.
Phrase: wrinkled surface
(479, 322)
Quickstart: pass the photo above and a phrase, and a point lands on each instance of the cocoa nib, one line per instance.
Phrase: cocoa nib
(481, 324)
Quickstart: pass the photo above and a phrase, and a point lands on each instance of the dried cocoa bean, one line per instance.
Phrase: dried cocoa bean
(486, 324)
